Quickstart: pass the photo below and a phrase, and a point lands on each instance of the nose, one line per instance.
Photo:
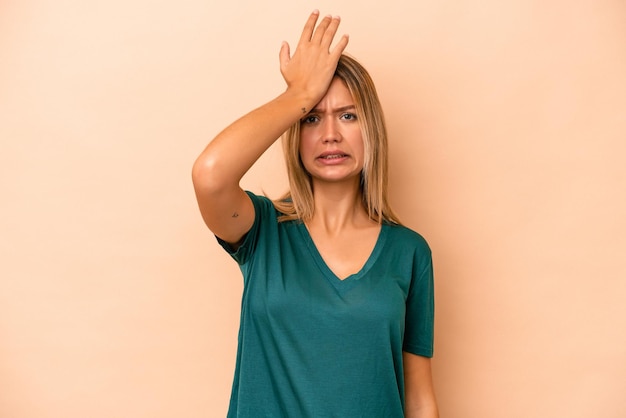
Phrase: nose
(330, 131)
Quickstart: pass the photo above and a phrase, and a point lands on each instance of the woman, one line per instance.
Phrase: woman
(337, 308)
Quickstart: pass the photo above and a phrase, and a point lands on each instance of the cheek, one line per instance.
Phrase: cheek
(303, 152)
(359, 145)
(305, 144)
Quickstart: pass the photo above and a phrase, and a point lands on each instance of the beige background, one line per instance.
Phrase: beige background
(508, 125)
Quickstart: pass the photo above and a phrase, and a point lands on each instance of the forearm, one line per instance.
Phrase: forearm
(231, 154)
(420, 401)
(423, 411)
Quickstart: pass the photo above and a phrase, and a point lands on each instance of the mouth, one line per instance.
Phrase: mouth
(332, 155)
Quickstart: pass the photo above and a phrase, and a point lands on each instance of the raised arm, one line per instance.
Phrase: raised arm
(225, 208)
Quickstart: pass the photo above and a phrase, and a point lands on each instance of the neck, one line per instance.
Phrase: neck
(338, 206)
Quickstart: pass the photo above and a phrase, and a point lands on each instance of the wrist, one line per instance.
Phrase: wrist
(300, 100)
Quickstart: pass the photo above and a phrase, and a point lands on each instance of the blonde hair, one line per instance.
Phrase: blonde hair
(298, 203)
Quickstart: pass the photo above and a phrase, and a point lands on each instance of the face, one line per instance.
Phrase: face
(331, 144)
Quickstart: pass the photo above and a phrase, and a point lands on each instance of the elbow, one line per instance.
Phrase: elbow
(207, 176)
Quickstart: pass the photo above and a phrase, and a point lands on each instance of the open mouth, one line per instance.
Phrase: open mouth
(332, 156)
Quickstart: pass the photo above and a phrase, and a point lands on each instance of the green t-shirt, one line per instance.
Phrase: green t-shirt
(314, 346)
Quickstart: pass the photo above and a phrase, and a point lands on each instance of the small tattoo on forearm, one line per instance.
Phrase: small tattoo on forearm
(235, 215)
(304, 110)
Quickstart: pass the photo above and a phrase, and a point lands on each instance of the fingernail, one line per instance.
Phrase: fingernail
(315, 12)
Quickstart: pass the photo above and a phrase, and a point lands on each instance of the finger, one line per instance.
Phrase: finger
(330, 32)
(284, 55)
(321, 29)
(340, 47)
(309, 26)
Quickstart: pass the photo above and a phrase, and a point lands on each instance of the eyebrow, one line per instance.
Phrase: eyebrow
(337, 110)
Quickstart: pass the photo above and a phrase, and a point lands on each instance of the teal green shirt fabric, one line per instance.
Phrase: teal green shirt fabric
(312, 345)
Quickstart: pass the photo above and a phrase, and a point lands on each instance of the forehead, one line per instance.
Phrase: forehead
(337, 95)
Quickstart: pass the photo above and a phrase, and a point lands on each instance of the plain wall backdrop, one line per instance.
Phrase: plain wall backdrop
(508, 141)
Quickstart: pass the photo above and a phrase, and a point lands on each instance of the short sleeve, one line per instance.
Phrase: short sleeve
(420, 308)
(263, 210)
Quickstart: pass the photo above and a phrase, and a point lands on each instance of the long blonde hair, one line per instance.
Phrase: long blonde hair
(298, 203)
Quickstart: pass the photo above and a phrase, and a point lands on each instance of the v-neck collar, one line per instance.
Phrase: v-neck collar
(351, 280)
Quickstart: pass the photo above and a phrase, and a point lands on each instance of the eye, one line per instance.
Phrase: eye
(310, 119)
(348, 116)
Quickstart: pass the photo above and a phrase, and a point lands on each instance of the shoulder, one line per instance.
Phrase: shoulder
(406, 237)
(263, 206)
(258, 199)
